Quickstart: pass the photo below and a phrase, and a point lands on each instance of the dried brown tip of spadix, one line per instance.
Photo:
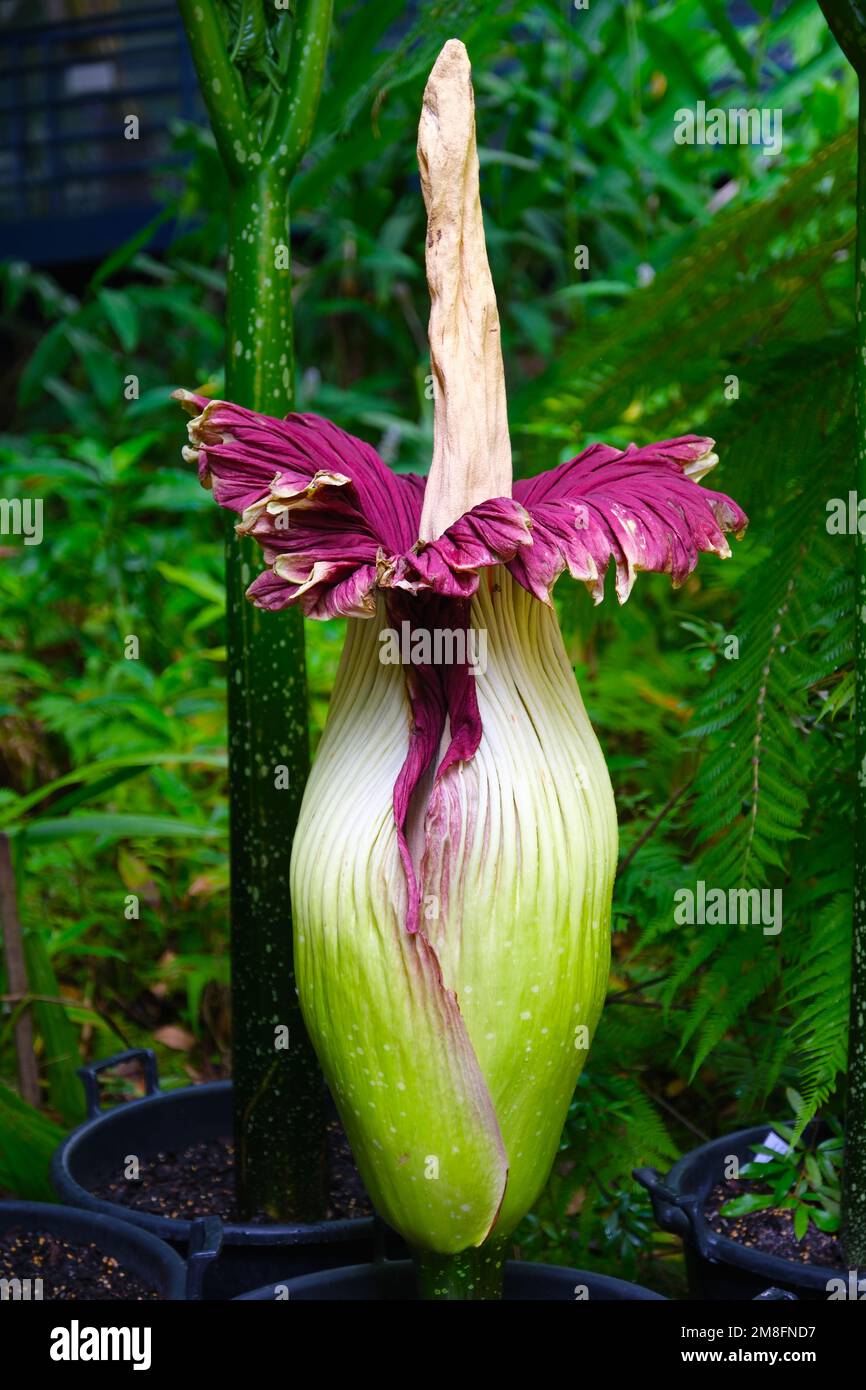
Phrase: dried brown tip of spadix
(471, 448)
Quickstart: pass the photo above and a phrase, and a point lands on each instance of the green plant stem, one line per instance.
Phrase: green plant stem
(469, 1275)
(295, 110)
(847, 19)
(221, 85)
(279, 1120)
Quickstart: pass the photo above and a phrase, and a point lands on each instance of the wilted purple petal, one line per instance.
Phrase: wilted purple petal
(321, 503)
(436, 693)
(640, 508)
(489, 534)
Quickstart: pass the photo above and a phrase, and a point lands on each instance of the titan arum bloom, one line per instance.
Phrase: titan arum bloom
(453, 866)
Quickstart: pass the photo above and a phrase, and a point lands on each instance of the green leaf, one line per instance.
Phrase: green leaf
(102, 370)
(745, 1205)
(196, 581)
(774, 1158)
(95, 772)
(830, 1200)
(115, 827)
(813, 1171)
(730, 36)
(29, 1140)
(758, 1172)
(785, 1133)
(122, 314)
(126, 454)
(49, 359)
(826, 1221)
(170, 492)
(130, 249)
(834, 1145)
(59, 1038)
(251, 32)
(92, 789)
(794, 1099)
(801, 1221)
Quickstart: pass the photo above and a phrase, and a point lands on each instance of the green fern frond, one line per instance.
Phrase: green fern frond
(819, 999)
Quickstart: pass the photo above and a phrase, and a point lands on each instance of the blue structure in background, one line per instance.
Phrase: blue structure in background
(73, 187)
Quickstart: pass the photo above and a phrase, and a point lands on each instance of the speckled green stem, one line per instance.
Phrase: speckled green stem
(279, 1123)
(847, 19)
(278, 1091)
(471, 1275)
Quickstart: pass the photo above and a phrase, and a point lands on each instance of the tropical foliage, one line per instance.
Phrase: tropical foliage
(717, 299)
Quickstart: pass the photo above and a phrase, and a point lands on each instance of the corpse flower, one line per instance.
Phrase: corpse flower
(453, 867)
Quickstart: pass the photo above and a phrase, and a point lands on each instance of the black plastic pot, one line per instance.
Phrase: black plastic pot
(719, 1268)
(138, 1251)
(171, 1120)
(394, 1281)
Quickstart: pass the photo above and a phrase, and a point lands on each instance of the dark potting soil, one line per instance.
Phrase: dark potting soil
(67, 1270)
(772, 1231)
(199, 1181)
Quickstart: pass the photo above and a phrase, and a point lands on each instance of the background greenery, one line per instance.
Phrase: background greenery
(705, 263)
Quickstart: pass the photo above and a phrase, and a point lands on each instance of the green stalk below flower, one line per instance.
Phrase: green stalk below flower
(471, 1275)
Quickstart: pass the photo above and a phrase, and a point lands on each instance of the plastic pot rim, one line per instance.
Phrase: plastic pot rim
(669, 1193)
(101, 1228)
(178, 1229)
(323, 1277)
